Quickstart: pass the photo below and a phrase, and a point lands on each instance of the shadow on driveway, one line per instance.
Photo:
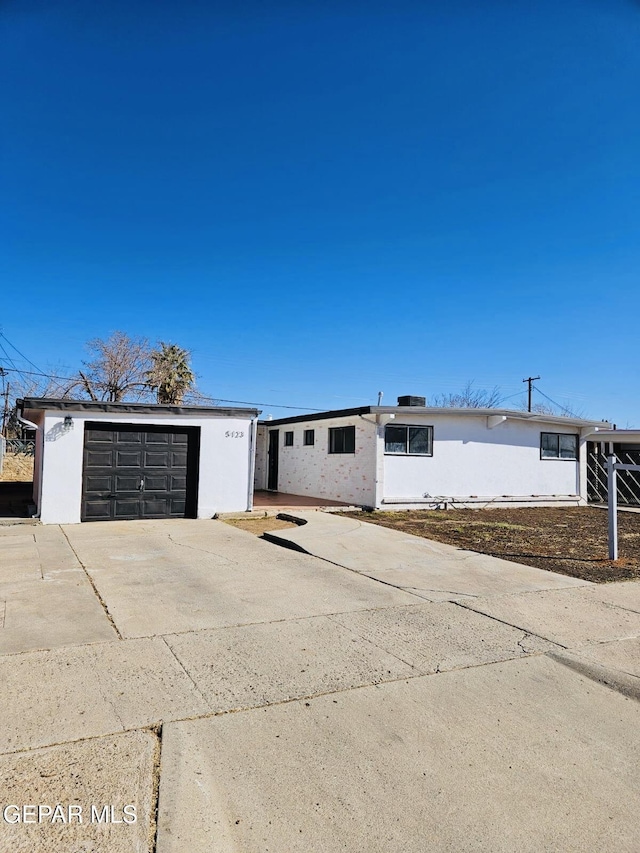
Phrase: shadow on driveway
(15, 499)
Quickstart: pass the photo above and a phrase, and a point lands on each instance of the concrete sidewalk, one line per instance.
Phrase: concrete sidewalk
(431, 570)
(260, 698)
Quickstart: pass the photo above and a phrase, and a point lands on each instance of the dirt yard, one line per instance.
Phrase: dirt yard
(16, 467)
(569, 540)
(259, 525)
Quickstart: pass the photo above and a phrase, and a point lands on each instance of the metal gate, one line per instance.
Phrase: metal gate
(628, 481)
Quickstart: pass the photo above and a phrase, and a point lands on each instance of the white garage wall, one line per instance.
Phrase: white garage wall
(469, 459)
(344, 477)
(224, 461)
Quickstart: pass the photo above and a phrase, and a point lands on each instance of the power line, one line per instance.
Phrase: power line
(511, 396)
(200, 396)
(568, 411)
(248, 403)
(22, 355)
(15, 369)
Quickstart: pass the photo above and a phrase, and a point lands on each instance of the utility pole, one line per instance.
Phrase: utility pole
(530, 380)
(5, 411)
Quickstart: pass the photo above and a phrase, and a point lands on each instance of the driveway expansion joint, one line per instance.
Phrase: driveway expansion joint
(510, 624)
(186, 672)
(103, 603)
(155, 795)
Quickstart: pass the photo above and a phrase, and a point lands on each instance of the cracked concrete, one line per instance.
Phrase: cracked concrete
(253, 698)
(431, 570)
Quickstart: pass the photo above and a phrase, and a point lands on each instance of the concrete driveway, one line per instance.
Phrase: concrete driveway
(371, 694)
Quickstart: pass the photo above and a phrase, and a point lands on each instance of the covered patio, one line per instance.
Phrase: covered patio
(263, 499)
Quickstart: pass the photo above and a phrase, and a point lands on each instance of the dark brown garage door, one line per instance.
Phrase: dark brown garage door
(133, 471)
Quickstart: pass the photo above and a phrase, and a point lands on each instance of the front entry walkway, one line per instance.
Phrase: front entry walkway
(282, 500)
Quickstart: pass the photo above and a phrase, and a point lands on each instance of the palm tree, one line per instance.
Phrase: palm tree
(170, 375)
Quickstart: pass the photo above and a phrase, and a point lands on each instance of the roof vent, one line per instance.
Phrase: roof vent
(412, 401)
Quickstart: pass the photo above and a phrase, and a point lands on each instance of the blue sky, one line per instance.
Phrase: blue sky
(323, 200)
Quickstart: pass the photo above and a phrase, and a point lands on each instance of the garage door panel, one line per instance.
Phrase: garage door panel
(161, 460)
(99, 436)
(156, 459)
(98, 510)
(158, 438)
(156, 483)
(99, 459)
(126, 483)
(154, 507)
(129, 437)
(128, 459)
(125, 508)
(98, 482)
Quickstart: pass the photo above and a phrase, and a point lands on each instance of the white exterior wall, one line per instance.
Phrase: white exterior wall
(471, 460)
(224, 465)
(344, 477)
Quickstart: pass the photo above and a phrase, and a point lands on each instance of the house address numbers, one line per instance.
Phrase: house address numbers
(232, 433)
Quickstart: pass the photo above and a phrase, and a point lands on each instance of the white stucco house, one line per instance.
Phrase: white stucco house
(392, 457)
(113, 461)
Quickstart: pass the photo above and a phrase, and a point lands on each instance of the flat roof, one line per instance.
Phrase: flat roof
(617, 436)
(51, 404)
(511, 414)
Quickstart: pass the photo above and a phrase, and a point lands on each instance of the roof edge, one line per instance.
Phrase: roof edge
(512, 414)
(51, 404)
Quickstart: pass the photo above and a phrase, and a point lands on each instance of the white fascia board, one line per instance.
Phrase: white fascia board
(508, 413)
(619, 436)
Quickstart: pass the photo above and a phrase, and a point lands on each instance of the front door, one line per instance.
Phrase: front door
(272, 468)
(139, 471)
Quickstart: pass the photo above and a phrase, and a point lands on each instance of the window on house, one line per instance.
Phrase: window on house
(558, 445)
(411, 440)
(342, 439)
(288, 439)
(309, 437)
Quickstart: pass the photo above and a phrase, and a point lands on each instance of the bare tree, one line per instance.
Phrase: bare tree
(468, 398)
(118, 369)
(549, 408)
(170, 376)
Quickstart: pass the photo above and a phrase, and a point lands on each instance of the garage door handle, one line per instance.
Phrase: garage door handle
(141, 486)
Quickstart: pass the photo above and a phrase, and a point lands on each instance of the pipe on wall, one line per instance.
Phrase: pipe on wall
(252, 461)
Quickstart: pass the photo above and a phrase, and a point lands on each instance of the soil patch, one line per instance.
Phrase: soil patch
(16, 467)
(260, 525)
(568, 540)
